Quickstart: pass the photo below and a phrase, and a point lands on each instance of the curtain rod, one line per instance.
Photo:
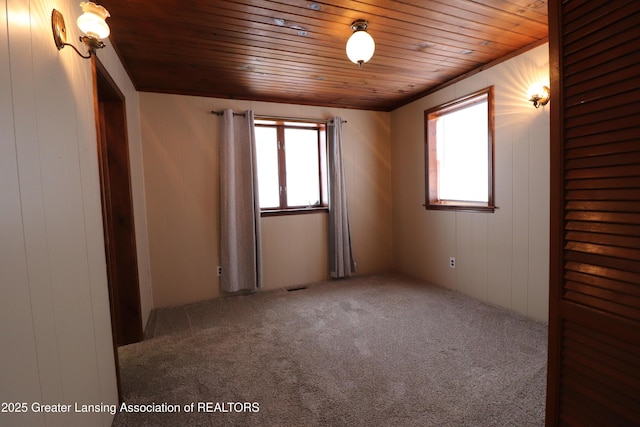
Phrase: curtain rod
(291, 119)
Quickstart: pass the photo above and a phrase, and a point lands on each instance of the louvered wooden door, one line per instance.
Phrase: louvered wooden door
(594, 325)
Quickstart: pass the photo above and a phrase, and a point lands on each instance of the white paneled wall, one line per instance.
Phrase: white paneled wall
(501, 258)
(180, 139)
(295, 249)
(19, 357)
(54, 311)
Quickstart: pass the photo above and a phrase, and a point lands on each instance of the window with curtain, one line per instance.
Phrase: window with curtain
(292, 172)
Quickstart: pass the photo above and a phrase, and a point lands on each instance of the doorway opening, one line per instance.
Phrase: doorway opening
(117, 211)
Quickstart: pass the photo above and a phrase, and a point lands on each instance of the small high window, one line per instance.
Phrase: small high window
(291, 160)
(459, 153)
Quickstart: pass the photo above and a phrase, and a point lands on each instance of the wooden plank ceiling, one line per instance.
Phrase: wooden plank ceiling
(293, 51)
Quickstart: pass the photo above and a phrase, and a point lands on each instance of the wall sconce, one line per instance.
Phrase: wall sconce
(360, 46)
(539, 94)
(91, 22)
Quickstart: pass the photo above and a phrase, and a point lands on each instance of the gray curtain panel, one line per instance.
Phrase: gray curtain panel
(341, 263)
(240, 254)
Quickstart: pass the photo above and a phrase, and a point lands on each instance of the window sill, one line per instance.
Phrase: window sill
(460, 206)
(294, 211)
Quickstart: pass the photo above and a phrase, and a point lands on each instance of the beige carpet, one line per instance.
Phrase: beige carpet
(370, 351)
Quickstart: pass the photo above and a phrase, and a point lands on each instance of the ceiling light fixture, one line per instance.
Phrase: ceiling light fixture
(360, 46)
(539, 94)
(91, 22)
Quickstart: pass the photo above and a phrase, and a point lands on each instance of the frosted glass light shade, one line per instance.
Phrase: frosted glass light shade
(92, 21)
(360, 47)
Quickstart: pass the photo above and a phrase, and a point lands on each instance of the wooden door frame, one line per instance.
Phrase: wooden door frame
(117, 211)
(556, 224)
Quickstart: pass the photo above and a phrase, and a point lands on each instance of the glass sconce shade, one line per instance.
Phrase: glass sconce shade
(539, 94)
(92, 21)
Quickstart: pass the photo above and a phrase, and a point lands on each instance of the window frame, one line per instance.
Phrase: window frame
(432, 201)
(281, 125)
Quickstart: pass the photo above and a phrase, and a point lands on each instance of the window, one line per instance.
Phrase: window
(459, 154)
(291, 166)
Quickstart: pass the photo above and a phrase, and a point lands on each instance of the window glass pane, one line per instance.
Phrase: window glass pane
(302, 166)
(463, 163)
(301, 124)
(267, 158)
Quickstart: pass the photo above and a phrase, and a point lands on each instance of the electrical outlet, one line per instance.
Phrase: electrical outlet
(452, 262)
(219, 271)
